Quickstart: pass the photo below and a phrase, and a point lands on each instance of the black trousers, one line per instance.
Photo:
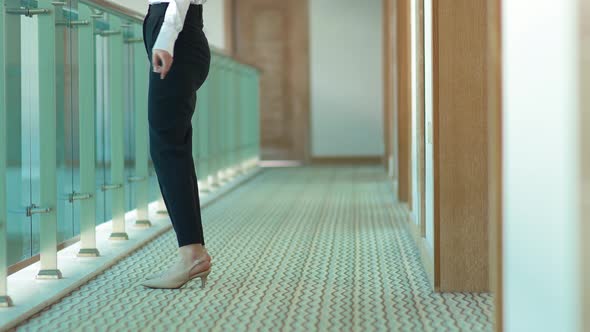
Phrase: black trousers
(171, 104)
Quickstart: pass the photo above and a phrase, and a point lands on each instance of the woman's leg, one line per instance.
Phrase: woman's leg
(171, 151)
(171, 105)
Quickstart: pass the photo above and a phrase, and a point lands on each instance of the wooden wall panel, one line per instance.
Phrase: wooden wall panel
(274, 35)
(461, 146)
(268, 34)
(299, 79)
(229, 26)
(404, 106)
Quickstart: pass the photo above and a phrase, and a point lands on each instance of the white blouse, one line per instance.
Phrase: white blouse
(173, 22)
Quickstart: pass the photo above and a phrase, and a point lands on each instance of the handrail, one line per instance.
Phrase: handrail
(118, 9)
(238, 59)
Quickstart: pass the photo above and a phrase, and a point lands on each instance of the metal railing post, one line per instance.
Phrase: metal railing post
(117, 127)
(214, 120)
(201, 135)
(87, 133)
(47, 134)
(140, 89)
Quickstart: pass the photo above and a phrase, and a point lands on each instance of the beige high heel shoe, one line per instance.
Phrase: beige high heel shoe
(179, 280)
(159, 274)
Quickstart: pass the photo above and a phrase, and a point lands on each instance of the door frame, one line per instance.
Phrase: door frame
(420, 114)
(494, 62)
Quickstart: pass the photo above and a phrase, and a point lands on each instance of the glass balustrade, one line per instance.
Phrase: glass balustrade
(74, 147)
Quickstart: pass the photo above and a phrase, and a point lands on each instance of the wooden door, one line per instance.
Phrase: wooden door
(461, 145)
(274, 35)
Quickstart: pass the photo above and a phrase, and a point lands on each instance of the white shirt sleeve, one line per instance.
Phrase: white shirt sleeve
(172, 25)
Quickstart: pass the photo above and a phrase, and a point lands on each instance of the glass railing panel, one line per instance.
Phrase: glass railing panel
(129, 111)
(201, 132)
(255, 97)
(213, 116)
(225, 123)
(140, 178)
(253, 107)
(231, 114)
(246, 112)
(66, 133)
(30, 126)
(246, 124)
(243, 110)
(19, 99)
(98, 83)
(237, 109)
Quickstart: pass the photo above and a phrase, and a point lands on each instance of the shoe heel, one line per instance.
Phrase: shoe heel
(203, 281)
(203, 275)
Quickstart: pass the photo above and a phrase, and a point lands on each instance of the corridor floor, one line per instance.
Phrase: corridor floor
(295, 249)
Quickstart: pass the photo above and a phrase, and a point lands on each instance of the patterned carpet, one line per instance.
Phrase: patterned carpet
(295, 249)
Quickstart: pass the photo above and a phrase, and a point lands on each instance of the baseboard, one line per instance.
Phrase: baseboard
(31, 296)
(423, 246)
(347, 160)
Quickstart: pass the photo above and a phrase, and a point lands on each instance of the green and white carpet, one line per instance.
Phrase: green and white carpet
(295, 249)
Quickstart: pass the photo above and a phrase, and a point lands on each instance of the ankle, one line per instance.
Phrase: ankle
(192, 252)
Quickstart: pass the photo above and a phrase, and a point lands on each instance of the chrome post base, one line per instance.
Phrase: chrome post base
(119, 236)
(5, 301)
(204, 187)
(52, 274)
(143, 223)
(88, 252)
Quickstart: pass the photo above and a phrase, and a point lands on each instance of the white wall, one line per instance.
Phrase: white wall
(540, 166)
(137, 5)
(346, 40)
(214, 18)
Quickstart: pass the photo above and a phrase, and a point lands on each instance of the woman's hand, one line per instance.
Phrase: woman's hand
(161, 61)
